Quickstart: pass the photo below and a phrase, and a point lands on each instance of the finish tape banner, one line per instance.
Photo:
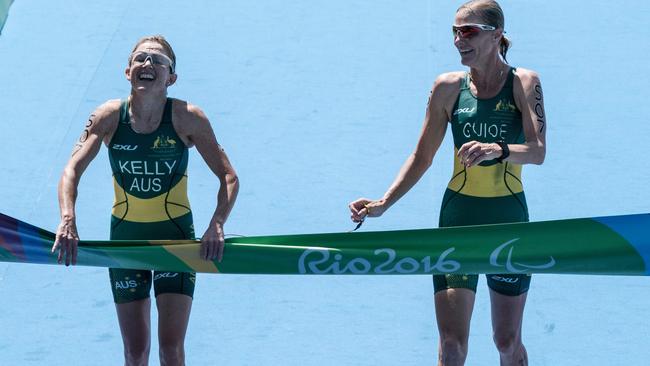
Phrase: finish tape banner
(4, 12)
(612, 245)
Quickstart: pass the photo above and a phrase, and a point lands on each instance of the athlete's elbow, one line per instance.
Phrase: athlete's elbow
(70, 175)
(232, 180)
(540, 155)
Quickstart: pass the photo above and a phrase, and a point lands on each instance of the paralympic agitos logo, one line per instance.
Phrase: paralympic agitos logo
(385, 261)
(511, 266)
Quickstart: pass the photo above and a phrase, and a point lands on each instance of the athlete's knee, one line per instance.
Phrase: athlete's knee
(507, 342)
(453, 350)
(136, 354)
(172, 353)
(171, 348)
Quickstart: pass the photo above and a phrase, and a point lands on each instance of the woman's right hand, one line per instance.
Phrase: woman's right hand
(364, 207)
(66, 241)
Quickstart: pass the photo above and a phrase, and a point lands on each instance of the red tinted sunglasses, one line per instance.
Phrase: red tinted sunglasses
(470, 30)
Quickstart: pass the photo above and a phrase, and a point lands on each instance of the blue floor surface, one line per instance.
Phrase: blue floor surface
(318, 103)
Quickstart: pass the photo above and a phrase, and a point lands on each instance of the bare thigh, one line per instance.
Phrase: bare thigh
(507, 313)
(135, 324)
(173, 317)
(454, 312)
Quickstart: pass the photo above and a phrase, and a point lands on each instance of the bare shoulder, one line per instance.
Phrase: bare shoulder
(105, 118)
(449, 81)
(185, 109)
(444, 93)
(108, 111)
(100, 126)
(189, 120)
(526, 77)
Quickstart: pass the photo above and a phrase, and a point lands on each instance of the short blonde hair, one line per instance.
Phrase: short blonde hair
(161, 41)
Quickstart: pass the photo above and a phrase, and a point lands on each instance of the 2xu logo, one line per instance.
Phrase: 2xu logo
(317, 261)
(505, 279)
(162, 275)
(463, 110)
(125, 147)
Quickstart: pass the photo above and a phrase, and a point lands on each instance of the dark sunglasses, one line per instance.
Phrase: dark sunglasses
(470, 30)
(159, 59)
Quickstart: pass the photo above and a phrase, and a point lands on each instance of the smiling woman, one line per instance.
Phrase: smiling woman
(168, 58)
(148, 136)
(496, 114)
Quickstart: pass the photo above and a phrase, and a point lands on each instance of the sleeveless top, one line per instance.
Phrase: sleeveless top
(490, 189)
(150, 181)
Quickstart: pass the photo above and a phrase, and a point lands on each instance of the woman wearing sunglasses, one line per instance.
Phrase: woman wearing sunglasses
(148, 136)
(496, 114)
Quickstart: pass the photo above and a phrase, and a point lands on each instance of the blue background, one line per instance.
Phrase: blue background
(318, 103)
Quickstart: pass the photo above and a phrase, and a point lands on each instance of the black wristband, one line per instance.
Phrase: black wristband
(505, 151)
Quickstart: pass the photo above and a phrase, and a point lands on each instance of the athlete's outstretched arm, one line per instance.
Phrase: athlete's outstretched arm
(433, 132)
(527, 90)
(201, 135)
(83, 153)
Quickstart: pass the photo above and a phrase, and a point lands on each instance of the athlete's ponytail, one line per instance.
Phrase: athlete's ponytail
(504, 45)
(491, 14)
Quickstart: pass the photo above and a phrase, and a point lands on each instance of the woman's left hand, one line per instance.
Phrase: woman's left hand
(474, 152)
(212, 243)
